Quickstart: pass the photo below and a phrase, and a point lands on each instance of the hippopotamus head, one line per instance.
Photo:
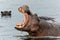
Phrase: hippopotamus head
(6, 12)
(32, 21)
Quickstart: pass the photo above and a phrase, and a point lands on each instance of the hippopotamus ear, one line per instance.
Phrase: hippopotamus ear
(9, 11)
(1, 11)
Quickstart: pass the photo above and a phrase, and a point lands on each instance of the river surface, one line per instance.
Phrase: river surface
(49, 8)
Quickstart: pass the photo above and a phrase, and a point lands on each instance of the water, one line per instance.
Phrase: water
(50, 8)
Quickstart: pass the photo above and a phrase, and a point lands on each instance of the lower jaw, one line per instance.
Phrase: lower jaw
(21, 29)
(18, 29)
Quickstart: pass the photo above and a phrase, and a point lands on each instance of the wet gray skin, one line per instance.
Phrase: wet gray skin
(38, 27)
(5, 12)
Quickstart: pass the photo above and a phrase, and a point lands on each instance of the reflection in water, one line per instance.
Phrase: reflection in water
(6, 16)
(38, 38)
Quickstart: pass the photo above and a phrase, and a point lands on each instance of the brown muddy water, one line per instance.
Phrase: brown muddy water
(50, 8)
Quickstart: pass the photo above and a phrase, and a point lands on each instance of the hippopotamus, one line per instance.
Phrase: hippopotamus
(4, 13)
(35, 25)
